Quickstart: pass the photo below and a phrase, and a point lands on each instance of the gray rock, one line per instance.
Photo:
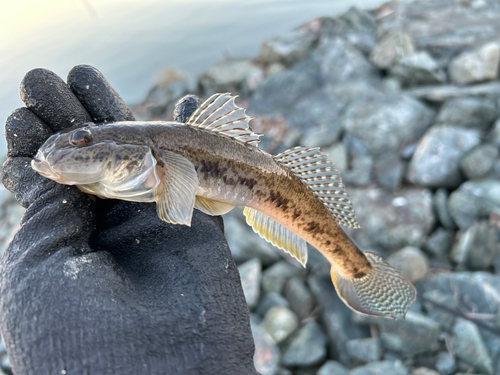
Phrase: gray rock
(423, 371)
(440, 203)
(267, 355)
(269, 301)
(381, 368)
(436, 160)
(360, 29)
(360, 172)
(364, 350)
(468, 346)
(438, 306)
(477, 247)
(391, 220)
(338, 154)
(282, 371)
(389, 170)
(444, 92)
(280, 323)
(411, 262)
(439, 242)
(468, 112)
(333, 368)
(251, 273)
(299, 297)
(307, 347)
(321, 135)
(384, 123)
(416, 334)
(445, 363)
(391, 86)
(476, 66)
(391, 48)
(418, 68)
(474, 200)
(275, 277)
(478, 162)
(288, 48)
(11, 213)
(494, 136)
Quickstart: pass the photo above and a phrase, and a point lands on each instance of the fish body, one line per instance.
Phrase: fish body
(213, 163)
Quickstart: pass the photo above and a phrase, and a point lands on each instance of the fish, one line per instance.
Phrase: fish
(213, 163)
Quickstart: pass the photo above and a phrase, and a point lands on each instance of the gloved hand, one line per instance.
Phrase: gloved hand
(92, 286)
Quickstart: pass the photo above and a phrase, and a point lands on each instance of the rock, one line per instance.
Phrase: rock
(299, 297)
(381, 368)
(280, 323)
(288, 48)
(468, 346)
(418, 68)
(269, 301)
(440, 203)
(384, 123)
(476, 66)
(478, 162)
(389, 170)
(439, 242)
(474, 200)
(477, 247)
(436, 160)
(282, 371)
(360, 29)
(411, 262)
(360, 172)
(322, 135)
(494, 136)
(338, 154)
(275, 277)
(438, 306)
(307, 347)
(333, 367)
(11, 213)
(414, 335)
(468, 112)
(267, 355)
(391, 48)
(391, 220)
(423, 371)
(445, 363)
(364, 350)
(442, 93)
(250, 273)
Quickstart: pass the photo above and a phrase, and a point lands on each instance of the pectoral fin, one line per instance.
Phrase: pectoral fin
(211, 207)
(176, 193)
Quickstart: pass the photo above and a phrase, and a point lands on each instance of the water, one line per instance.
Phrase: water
(130, 42)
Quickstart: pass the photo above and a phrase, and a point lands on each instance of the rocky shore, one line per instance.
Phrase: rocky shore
(405, 99)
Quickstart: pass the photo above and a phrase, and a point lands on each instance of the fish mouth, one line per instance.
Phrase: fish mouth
(40, 165)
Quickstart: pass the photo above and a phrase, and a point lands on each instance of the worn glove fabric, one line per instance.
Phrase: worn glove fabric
(91, 286)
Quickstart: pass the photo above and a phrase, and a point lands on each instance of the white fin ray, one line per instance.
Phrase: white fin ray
(319, 173)
(211, 207)
(177, 190)
(220, 114)
(277, 234)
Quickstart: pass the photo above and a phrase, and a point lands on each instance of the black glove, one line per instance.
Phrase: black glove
(92, 286)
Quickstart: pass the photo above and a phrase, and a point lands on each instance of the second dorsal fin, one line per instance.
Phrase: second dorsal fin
(220, 114)
(319, 173)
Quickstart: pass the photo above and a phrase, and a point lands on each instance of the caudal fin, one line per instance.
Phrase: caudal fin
(383, 291)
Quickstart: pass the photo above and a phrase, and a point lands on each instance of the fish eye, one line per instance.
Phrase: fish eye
(81, 137)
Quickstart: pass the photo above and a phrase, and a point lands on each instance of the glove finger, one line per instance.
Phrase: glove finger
(48, 97)
(25, 133)
(97, 96)
(185, 107)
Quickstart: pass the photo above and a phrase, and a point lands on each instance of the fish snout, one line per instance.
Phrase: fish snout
(40, 165)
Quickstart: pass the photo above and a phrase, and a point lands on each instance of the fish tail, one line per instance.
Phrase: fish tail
(380, 291)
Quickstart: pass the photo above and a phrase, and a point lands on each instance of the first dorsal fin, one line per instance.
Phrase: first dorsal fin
(319, 173)
(220, 114)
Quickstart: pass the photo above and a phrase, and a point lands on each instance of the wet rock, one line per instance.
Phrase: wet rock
(381, 367)
(11, 213)
(439, 242)
(417, 334)
(250, 273)
(288, 48)
(360, 172)
(275, 277)
(333, 367)
(269, 301)
(280, 323)
(438, 306)
(338, 154)
(384, 123)
(418, 68)
(443, 92)
(478, 162)
(307, 347)
(364, 350)
(391, 220)
(445, 363)
(436, 160)
(476, 66)
(411, 262)
(474, 200)
(423, 371)
(391, 48)
(389, 170)
(440, 203)
(267, 355)
(477, 247)
(468, 346)
(468, 112)
(299, 297)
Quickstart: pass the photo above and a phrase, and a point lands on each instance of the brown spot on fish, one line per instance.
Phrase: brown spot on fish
(296, 214)
(278, 200)
(130, 166)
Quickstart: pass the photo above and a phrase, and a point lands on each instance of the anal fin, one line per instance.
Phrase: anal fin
(277, 234)
(211, 207)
